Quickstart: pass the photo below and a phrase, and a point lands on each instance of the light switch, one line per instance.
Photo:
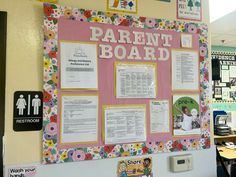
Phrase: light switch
(181, 163)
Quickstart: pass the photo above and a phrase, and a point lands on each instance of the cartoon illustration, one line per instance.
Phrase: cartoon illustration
(190, 4)
(36, 103)
(137, 167)
(79, 52)
(147, 170)
(21, 104)
(122, 169)
(198, 4)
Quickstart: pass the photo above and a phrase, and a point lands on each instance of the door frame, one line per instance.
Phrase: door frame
(3, 46)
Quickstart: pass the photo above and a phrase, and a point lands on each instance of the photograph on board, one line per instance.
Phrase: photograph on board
(186, 115)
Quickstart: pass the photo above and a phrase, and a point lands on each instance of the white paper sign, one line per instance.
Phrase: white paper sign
(225, 93)
(79, 119)
(185, 70)
(223, 67)
(189, 9)
(78, 65)
(125, 124)
(186, 40)
(225, 75)
(159, 116)
(232, 70)
(136, 80)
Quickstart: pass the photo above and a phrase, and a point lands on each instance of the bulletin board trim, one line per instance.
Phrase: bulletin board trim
(51, 153)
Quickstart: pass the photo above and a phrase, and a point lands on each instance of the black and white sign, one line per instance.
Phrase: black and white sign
(28, 110)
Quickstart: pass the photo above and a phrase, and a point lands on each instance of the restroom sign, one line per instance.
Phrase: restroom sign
(28, 110)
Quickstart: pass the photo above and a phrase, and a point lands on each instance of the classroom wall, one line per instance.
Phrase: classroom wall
(204, 166)
(25, 72)
(232, 124)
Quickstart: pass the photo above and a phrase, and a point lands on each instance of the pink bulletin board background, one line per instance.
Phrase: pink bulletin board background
(66, 23)
(70, 30)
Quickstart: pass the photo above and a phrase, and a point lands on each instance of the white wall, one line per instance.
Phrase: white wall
(204, 165)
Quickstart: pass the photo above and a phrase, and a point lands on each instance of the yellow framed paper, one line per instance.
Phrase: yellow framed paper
(79, 121)
(144, 79)
(78, 65)
(124, 123)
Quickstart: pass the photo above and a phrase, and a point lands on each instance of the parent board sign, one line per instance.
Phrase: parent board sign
(108, 84)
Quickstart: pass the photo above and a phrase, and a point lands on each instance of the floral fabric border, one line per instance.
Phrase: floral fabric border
(51, 154)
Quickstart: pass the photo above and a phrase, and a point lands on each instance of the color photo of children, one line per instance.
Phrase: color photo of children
(186, 115)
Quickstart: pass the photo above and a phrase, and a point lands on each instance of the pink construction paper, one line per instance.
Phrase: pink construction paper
(79, 31)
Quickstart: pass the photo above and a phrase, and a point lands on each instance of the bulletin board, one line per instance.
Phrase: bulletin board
(224, 90)
(124, 90)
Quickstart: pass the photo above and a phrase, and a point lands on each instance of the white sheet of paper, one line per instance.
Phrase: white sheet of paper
(79, 119)
(225, 67)
(185, 70)
(78, 65)
(225, 93)
(186, 40)
(159, 116)
(135, 81)
(225, 75)
(232, 70)
(125, 124)
(222, 84)
(233, 88)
